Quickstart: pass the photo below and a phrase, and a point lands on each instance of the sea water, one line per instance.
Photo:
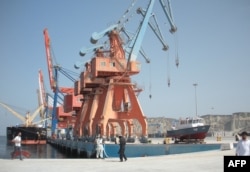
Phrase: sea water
(36, 151)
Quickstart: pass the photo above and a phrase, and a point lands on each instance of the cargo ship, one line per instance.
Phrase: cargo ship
(189, 130)
(30, 134)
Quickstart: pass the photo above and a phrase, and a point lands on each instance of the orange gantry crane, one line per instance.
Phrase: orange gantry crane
(109, 94)
(62, 116)
(45, 99)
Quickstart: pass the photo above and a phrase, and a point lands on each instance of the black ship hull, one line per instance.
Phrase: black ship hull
(30, 135)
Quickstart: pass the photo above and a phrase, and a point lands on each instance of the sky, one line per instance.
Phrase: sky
(213, 45)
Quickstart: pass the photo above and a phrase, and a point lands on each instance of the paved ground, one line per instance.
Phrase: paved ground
(200, 161)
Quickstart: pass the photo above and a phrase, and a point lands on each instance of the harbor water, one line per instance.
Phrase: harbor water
(37, 151)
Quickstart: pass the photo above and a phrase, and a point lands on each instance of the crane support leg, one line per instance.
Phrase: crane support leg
(123, 127)
(130, 127)
(81, 116)
(113, 129)
(135, 111)
(107, 113)
(116, 103)
(108, 129)
(93, 108)
(103, 110)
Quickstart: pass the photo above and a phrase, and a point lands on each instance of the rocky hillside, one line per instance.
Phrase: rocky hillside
(234, 123)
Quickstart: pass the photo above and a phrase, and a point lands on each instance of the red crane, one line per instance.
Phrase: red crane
(61, 115)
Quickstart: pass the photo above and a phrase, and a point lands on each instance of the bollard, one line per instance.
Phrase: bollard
(166, 140)
(218, 138)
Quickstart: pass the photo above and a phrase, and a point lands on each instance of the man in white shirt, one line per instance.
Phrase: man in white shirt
(17, 140)
(99, 147)
(243, 146)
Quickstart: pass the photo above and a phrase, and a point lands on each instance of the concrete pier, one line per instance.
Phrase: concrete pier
(155, 148)
(206, 161)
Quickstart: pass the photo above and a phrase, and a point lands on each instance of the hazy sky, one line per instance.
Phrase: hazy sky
(213, 46)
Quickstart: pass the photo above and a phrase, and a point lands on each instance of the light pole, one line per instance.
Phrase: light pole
(195, 85)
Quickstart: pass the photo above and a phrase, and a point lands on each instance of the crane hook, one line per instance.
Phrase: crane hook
(177, 61)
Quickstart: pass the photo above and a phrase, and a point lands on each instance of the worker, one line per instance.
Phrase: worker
(17, 148)
(243, 146)
(122, 142)
(99, 147)
(38, 136)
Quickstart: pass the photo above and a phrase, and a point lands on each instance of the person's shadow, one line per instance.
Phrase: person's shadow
(24, 153)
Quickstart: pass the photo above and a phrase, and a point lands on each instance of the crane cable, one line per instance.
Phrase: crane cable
(168, 69)
(150, 86)
(176, 50)
(17, 108)
(125, 18)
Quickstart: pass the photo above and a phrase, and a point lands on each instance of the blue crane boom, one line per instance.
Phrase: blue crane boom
(168, 12)
(134, 43)
(138, 40)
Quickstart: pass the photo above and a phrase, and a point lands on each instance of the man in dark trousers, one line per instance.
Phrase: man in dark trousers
(122, 148)
(17, 149)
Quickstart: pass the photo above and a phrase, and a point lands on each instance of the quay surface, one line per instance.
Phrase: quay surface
(206, 161)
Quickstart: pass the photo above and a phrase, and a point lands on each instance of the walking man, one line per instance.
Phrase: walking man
(243, 146)
(122, 148)
(17, 148)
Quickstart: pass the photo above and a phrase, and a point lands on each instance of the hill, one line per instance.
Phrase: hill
(219, 124)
